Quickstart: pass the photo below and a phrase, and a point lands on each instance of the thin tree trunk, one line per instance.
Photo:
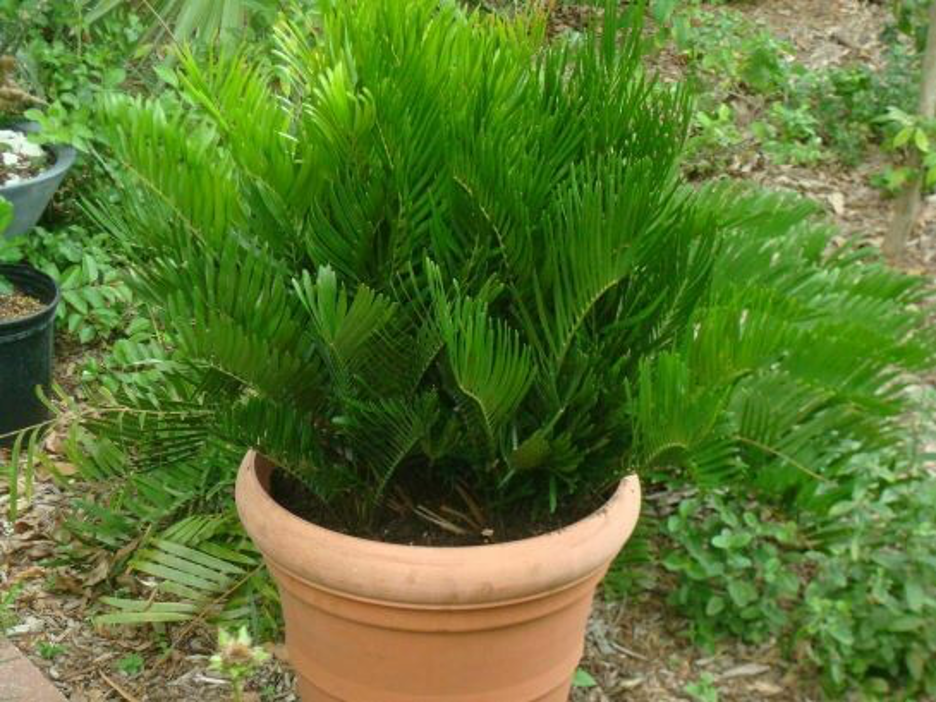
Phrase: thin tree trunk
(907, 207)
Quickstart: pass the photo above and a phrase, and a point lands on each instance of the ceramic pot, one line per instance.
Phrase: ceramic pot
(374, 622)
(31, 197)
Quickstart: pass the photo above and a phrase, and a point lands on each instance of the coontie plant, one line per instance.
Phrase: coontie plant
(430, 252)
(424, 252)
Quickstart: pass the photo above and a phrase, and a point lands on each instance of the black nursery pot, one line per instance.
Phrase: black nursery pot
(26, 351)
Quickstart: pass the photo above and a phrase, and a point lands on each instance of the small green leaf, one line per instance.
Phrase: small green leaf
(921, 140)
(841, 632)
(916, 663)
(722, 541)
(742, 593)
(903, 137)
(682, 31)
(916, 598)
(931, 176)
(6, 214)
(85, 334)
(583, 679)
(906, 623)
(715, 605)
(90, 267)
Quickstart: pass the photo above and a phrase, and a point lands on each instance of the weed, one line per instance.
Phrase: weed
(8, 599)
(703, 689)
(130, 665)
(737, 568)
(237, 659)
(583, 679)
(49, 651)
(714, 136)
(95, 299)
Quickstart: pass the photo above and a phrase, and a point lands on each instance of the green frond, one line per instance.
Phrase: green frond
(601, 220)
(205, 20)
(198, 195)
(680, 422)
(202, 580)
(345, 329)
(386, 431)
(492, 368)
(150, 497)
(283, 433)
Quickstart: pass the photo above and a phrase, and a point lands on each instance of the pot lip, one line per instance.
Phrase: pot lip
(48, 310)
(429, 576)
(64, 159)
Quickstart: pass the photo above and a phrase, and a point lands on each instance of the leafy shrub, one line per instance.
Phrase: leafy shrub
(66, 63)
(730, 50)
(851, 589)
(713, 138)
(910, 19)
(737, 569)
(95, 299)
(790, 135)
(847, 102)
(811, 111)
(870, 606)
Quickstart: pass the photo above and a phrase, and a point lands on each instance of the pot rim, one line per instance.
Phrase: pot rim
(48, 309)
(428, 576)
(64, 159)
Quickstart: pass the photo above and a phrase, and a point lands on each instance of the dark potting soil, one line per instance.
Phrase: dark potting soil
(17, 305)
(396, 521)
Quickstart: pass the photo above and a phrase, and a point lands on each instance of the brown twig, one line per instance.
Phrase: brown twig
(118, 689)
(473, 506)
(438, 520)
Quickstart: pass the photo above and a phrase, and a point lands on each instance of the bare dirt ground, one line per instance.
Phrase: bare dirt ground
(827, 34)
(636, 650)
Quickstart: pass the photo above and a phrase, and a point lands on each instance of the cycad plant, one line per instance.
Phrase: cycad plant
(425, 251)
(424, 247)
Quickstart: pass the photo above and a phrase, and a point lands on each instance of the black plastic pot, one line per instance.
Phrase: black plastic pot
(26, 352)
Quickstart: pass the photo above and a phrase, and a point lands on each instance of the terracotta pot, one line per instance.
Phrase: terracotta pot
(374, 622)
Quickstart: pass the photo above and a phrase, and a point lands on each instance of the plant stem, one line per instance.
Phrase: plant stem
(907, 208)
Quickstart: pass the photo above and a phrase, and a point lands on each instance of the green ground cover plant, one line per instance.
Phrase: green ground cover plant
(803, 116)
(96, 300)
(848, 591)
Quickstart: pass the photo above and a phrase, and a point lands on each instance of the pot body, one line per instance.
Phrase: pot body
(31, 197)
(374, 622)
(26, 352)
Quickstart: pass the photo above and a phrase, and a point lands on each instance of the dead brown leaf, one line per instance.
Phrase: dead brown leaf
(31, 573)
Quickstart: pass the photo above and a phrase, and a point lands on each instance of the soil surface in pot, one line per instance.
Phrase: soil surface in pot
(413, 512)
(20, 159)
(17, 305)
